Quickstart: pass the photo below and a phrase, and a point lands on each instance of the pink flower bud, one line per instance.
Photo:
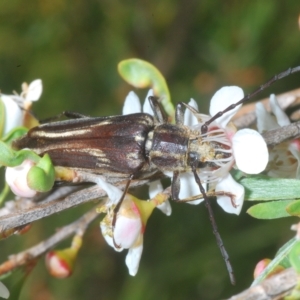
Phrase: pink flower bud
(60, 263)
(261, 266)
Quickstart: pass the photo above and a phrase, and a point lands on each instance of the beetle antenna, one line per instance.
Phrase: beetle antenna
(214, 226)
(277, 77)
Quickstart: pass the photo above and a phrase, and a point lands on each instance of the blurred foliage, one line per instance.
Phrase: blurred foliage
(199, 46)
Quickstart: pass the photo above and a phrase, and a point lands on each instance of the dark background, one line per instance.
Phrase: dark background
(200, 46)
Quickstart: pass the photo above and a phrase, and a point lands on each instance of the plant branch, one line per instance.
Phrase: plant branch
(273, 288)
(34, 252)
(246, 114)
(42, 210)
(279, 135)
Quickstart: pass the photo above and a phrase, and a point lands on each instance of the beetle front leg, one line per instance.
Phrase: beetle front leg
(158, 110)
(179, 114)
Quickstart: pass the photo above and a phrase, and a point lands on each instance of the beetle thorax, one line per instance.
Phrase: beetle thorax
(167, 147)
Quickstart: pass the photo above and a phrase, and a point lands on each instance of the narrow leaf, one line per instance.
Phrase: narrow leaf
(294, 257)
(281, 256)
(294, 208)
(265, 188)
(270, 210)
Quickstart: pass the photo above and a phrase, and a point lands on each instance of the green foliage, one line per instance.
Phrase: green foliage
(41, 177)
(142, 74)
(198, 46)
(282, 258)
(263, 188)
(270, 210)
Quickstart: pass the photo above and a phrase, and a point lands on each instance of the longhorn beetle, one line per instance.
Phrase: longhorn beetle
(135, 146)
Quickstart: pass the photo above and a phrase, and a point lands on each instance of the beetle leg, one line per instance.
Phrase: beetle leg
(68, 114)
(158, 110)
(179, 116)
(194, 111)
(175, 187)
(210, 194)
(73, 115)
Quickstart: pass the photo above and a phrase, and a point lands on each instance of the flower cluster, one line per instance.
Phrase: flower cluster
(244, 149)
(284, 158)
(127, 232)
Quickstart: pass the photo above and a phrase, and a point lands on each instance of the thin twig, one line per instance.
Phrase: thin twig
(279, 135)
(273, 288)
(43, 210)
(32, 253)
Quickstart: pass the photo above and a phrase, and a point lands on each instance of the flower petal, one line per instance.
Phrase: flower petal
(264, 119)
(113, 193)
(132, 104)
(156, 187)
(223, 98)
(4, 292)
(147, 107)
(250, 151)
(133, 259)
(105, 229)
(228, 184)
(293, 147)
(13, 114)
(34, 91)
(127, 230)
(282, 118)
(189, 188)
(16, 178)
(189, 118)
(165, 207)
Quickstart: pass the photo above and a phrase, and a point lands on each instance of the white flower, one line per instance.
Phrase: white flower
(127, 234)
(16, 178)
(14, 104)
(244, 148)
(250, 151)
(129, 227)
(132, 104)
(284, 158)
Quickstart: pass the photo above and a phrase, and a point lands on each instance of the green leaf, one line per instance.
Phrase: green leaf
(14, 134)
(16, 281)
(11, 158)
(265, 188)
(142, 74)
(280, 257)
(270, 210)
(294, 256)
(2, 117)
(4, 192)
(294, 208)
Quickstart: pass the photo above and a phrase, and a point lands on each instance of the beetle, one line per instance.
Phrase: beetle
(136, 146)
